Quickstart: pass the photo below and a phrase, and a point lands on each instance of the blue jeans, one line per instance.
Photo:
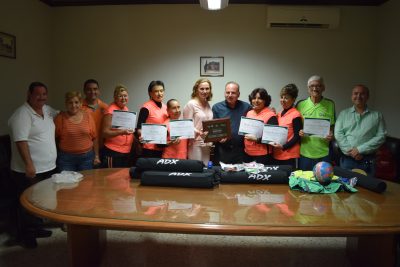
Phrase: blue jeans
(307, 164)
(367, 163)
(75, 162)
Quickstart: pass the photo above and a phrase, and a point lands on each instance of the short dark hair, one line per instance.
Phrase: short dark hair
(291, 90)
(155, 83)
(33, 85)
(90, 81)
(170, 101)
(263, 95)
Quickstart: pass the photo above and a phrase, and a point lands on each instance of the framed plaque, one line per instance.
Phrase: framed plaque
(7, 45)
(211, 66)
(217, 129)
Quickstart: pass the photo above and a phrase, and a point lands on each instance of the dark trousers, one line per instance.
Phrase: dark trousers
(228, 153)
(264, 159)
(114, 159)
(26, 222)
(291, 162)
(367, 163)
(149, 153)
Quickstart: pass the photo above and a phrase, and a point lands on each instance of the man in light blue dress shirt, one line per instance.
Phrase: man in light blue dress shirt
(359, 132)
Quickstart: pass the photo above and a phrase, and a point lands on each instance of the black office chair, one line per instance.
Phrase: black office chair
(335, 153)
(388, 160)
(8, 199)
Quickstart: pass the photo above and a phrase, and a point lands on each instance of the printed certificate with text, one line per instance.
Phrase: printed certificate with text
(317, 127)
(251, 126)
(154, 133)
(181, 128)
(275, 134)
(123, 119)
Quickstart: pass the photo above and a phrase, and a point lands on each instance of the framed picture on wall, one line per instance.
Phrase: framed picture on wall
(211, 66)
(7, 45)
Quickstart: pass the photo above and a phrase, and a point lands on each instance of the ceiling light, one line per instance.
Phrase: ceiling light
(213, 4)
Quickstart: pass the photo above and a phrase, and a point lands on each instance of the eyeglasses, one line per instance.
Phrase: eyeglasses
(315, 86)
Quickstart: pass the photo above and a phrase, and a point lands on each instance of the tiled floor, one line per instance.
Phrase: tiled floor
(154, 249)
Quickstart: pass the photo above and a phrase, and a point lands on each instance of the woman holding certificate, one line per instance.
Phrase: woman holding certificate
(254, 149)
(177, 148)
(117, 141)
(153, 111)
(76, 136)
(290, 117)
(199, 110)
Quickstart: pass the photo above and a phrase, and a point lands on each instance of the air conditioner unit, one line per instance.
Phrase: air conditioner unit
(303, 17)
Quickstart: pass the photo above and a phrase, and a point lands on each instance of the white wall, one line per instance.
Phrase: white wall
(30, 22)
(387, 100)
(136, 44)
(133, 45)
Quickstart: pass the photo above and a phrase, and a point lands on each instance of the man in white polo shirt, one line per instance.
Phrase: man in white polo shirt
(34, 155)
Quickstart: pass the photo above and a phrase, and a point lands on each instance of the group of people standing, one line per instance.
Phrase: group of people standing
(45, 141)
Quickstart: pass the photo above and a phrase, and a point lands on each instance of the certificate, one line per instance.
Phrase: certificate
(217, 129)
(123, 119)
(154, 133)
(251, 126)
(274, 133)
(181, 128)
(317, 127)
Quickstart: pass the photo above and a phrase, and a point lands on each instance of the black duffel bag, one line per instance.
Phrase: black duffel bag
(205, 179)
(242, 177)
(179, 165)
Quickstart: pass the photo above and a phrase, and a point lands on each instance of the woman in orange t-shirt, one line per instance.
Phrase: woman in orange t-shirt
(76, 136)
(117, 142)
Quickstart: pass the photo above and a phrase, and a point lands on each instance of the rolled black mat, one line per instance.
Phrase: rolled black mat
(286, 168)
(178, 165)
(242, 177)
(205, 179)
(366, 181)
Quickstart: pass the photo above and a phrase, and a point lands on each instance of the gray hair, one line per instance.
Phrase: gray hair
(315, 78)
(362, 86)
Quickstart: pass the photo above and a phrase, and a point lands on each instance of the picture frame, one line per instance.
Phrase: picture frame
(212, 66)
(7, 45)
(217, 129)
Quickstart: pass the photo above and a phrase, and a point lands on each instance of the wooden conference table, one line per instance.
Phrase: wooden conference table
(109, 199)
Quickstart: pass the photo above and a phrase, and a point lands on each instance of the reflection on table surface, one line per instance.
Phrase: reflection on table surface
(110, 193)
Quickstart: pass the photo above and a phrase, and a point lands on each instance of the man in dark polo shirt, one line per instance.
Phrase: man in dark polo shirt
(232, 150)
